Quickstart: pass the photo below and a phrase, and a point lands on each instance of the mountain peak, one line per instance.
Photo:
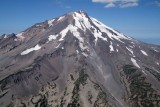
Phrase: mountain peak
(80, 11)
(78, 20)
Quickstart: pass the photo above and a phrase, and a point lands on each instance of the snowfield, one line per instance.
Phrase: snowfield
(27, 51)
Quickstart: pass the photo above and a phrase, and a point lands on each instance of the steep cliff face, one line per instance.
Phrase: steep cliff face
(77, 61)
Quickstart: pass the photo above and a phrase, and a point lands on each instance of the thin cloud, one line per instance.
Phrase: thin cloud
(153, 3)
(157, 3)
(125, 5)
(110, 5)
(61, 4)
(118, 3)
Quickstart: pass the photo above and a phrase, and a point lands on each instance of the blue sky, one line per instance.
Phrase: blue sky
(137, 18)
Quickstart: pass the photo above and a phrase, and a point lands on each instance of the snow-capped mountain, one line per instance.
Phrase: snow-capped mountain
(77, 61)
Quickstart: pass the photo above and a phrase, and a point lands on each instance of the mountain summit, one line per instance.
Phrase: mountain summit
(77, 61)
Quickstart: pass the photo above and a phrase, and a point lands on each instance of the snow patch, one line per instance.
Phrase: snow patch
(144, 53)
(111, 47)
(52, 37)
(50, 22)
(15, 40)
(19, 36)
(135, 62)
(99, 25)
(84, 54)
(38, 25)
(97, 35)
(77, 35)
(27, 51)
(79, 22)
(132, 46)
(104, 28)
(58, 45)
(144, 72)
(133, 43)
(5, 36)
(130, 50)
(61, 18)
(74, 31)
(63, 33)
(82, 46)
(117, 50)
(77, 51)
(84, 21)
(155, 49)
